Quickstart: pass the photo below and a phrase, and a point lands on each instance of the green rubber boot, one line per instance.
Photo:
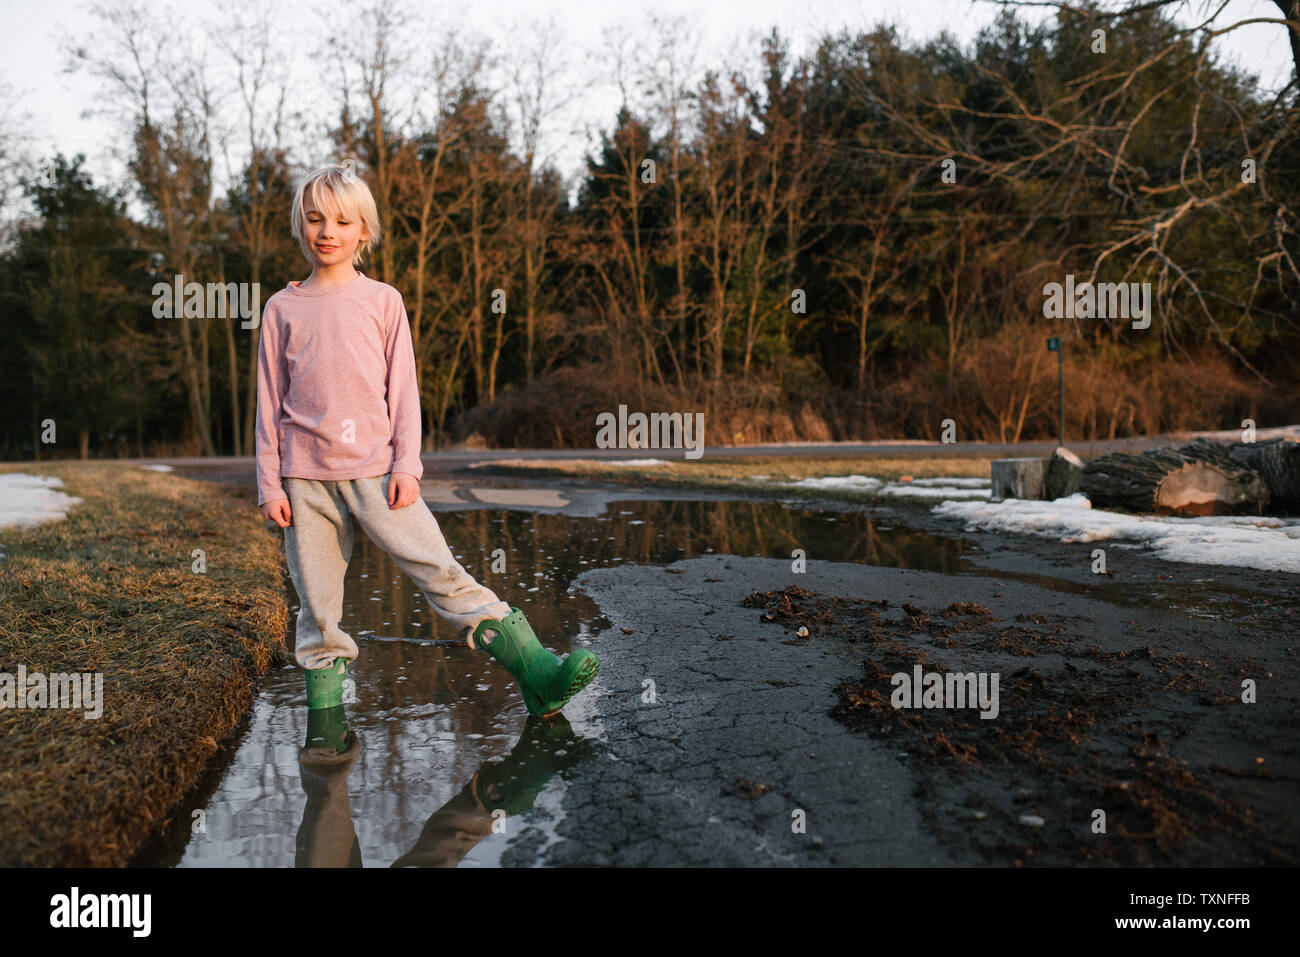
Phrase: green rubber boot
(325, 685)
(547, 682)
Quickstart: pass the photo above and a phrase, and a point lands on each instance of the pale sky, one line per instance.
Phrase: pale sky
(48, 104)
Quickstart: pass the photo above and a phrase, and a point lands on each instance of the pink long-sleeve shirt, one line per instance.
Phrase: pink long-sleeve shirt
(337, 396)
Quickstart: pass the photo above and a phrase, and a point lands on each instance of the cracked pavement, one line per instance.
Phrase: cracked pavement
(738, 737)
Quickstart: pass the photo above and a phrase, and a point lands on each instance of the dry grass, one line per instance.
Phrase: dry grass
(111, 590)
(728, 474)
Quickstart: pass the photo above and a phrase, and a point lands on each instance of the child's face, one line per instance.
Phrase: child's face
(333, 239)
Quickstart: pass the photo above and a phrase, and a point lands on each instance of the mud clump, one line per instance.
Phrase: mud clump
(1146, 735)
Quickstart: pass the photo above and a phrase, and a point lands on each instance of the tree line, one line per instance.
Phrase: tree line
(848, 244)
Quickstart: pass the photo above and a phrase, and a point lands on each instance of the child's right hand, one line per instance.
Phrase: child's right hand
(277, 510)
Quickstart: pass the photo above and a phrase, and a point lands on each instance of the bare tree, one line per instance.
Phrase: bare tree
(17, 158)
(262, 77)
(870, 271)
(430, 199)
(670, 75)
(536, 70)
(171, 159)
(725, 152)
(379, 47)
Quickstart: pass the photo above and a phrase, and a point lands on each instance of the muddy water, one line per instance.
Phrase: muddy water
(443, 738)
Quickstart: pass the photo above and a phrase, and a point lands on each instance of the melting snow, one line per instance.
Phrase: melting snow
(1269, 544)
(863, 483)
(957, 482)
(944, 488)
(30, 500)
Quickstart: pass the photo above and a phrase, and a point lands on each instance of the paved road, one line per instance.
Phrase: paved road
(242, 468)
(738, 738)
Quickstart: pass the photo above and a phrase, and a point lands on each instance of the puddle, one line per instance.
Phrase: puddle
(436, 720)
(444, 738)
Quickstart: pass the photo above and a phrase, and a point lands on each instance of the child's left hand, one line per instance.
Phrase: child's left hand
(403, 489)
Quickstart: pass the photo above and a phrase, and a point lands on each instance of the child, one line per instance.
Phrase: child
(338, 439)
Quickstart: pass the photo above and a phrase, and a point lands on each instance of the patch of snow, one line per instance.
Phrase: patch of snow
(920, 488)
(956, 482)
(917, 490)
(636, 462)
(1268, 544)
(860, 483)
(158, 468)
(30, 500)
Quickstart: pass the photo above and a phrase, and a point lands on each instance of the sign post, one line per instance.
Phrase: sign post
(1054, 345)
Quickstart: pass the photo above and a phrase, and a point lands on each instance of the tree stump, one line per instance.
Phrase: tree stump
(1197, 479)
(1064, 474)
(1019, 478)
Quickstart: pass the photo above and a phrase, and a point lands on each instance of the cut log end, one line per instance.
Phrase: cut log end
(1201, 489)
(1198, 479)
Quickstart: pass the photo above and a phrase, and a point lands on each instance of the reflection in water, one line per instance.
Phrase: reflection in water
(498, 791)
(327, 837)
(540, 554)
(438, 722)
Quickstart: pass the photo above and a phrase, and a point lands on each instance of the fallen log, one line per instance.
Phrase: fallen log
(1278, 462)
(1197, 479)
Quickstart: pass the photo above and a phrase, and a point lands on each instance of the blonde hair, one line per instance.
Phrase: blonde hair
(336, 191)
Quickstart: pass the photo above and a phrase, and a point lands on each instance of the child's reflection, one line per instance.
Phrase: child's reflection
(328, 839)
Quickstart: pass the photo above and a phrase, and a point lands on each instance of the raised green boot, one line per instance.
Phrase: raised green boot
(547, 682)
(325, 685)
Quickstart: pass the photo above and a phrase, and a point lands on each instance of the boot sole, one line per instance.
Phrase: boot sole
(580, 681)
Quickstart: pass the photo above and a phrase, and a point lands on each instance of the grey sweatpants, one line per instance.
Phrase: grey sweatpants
(318, 544)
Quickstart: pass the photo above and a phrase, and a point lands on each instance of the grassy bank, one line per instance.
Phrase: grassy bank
(764, 475)
(112, 590)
